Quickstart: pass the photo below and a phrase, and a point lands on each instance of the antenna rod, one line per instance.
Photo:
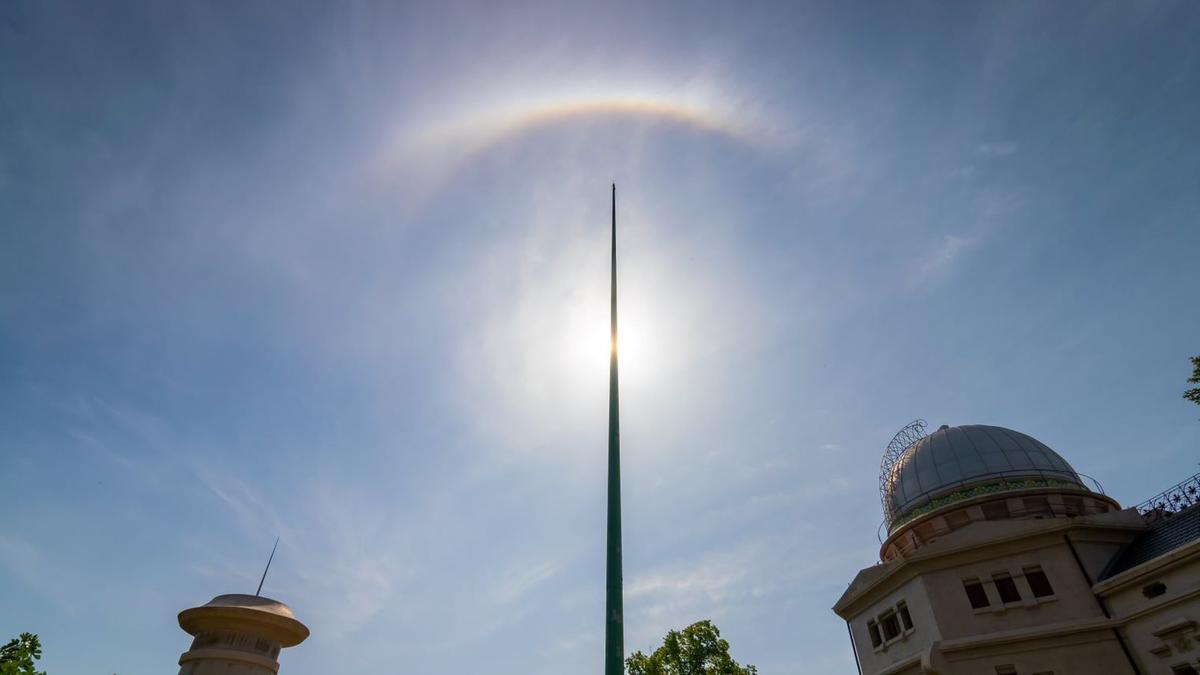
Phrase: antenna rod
(264, 576)
(614, 630)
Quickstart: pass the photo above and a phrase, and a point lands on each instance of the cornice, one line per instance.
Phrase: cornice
(1025, 634)
(946, 552)
(1153, 567)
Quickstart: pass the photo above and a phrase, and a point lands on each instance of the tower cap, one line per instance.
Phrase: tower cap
(249, 613)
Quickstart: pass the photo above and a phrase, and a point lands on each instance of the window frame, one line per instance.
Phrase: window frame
(1035, 571)
(888, 618)
(976, 582)
(1009, 584)
(906, 622)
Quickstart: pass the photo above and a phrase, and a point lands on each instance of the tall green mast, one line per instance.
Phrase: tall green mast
(614, 629)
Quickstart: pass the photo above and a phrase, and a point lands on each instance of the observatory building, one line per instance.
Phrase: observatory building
(238, 635)
(997, 557)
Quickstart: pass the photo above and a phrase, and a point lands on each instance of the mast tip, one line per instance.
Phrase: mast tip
(268, 567)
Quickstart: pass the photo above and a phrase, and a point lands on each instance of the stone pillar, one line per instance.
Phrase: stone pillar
(238, 635)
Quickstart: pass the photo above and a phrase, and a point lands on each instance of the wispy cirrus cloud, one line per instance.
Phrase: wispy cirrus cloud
(49, 577)
(945, 254)
(998, 149)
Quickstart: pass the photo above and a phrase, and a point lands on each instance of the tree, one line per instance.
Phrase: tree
(696, 650)
(17, 657)
(1193, 395)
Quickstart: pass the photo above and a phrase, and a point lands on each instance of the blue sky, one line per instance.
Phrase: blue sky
(337, 272)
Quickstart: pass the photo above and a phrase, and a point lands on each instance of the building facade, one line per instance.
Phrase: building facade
(1000, 559)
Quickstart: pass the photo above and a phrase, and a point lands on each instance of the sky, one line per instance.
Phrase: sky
(337, 272)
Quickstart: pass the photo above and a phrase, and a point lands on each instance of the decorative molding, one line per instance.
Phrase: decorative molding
(981, 490)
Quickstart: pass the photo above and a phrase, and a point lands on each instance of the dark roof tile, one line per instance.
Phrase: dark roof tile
(1163, 537)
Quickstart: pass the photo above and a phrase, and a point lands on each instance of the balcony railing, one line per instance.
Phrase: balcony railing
(1172, 500)
(1008, 480)
(992, 481)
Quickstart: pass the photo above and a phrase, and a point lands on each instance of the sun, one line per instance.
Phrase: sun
(587, 344)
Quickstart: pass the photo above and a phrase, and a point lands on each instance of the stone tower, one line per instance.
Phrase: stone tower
(238, 635)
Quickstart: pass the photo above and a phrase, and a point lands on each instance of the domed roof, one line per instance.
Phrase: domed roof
(953, 458)
(252, 614)
(255, 602)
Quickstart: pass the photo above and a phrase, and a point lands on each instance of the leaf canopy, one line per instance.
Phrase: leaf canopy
(1193, 394)
(696, 650)
(17, 657)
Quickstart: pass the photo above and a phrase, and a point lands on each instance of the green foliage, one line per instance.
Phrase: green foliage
(696, 650)
(17, 657)
(1193, 395)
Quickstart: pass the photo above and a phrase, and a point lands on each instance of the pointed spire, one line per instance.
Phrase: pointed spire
(268, 567)
(614, 628)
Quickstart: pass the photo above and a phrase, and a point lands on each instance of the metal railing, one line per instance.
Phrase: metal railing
(1011, 477)
(1172, 500)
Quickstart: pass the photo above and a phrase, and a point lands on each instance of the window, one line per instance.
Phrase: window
(1038, 583)
(1007, 588)
(905, 617)
(1154, 590)
(976, 594)
(1044, 672)
(1183, 669)
(890, 625)
(1007, 669)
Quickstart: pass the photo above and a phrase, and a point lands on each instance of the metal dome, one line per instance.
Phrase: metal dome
(953, 458)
